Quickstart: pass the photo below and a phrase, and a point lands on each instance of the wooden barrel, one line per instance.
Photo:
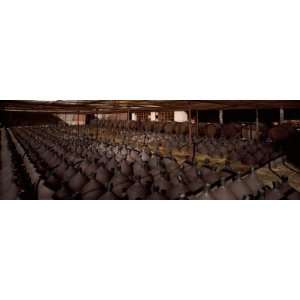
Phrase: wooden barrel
(159, 127)
(132, 125)
(148, 126)
(156, 126)
(194, 129)
(184, 128)
(212, 130)
(169, 127)
(246, 131)
(280, 133)
(177, 128)
(255, 134)
(231, 130)
(201, 129)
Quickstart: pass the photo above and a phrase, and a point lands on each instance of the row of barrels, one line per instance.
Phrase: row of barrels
(213, 130)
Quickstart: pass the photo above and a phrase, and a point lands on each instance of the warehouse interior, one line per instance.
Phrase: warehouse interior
(150, 149)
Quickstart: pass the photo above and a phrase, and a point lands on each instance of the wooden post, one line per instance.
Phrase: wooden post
(281, 112)
(97, 125)
(256, 125)
(190, 130)
(89, 124)
(197, 123)
(78, 125)
(65, 127)
(221, 116)
(128, 120)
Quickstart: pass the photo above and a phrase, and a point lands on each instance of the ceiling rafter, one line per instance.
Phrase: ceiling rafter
(114, 106)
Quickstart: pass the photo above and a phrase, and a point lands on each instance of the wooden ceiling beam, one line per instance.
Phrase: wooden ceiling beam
(117, 106)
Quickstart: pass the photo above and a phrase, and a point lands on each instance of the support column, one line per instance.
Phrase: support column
(256, 125)
(190, 131)
(65, 126)
(197, 123)
(97, 125)
(128, 119)
(221, 116)
(87, 126)
(281, 112)
(78, 125)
